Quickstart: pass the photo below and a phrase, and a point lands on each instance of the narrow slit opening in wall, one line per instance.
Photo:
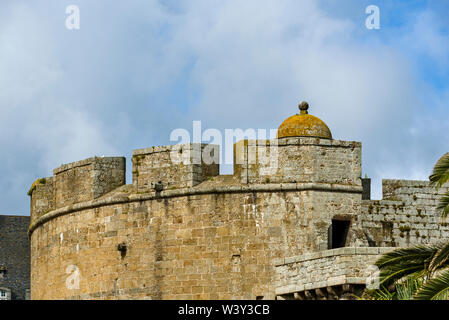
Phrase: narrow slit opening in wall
(338, 232)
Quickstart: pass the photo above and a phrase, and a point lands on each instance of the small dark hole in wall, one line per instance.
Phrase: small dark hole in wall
(158, 186)
(259, 298)
(122, 248)
(338, 232)
(2, 271)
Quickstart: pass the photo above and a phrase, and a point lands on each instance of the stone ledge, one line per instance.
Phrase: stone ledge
(72, 165)
(82, 163)
(306, 141)
(349, 251)
(334, 281)
(349, 263)
(383, 202)
(159, 149)
(405, 183)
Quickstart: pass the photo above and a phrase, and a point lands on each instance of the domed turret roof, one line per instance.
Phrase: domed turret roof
(304, 125)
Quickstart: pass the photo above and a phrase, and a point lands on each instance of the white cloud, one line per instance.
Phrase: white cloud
(428, 36)
(254, 63)
(35, 118)
(121, 80)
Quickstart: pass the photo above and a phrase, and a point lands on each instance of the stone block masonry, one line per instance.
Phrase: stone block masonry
(291, 160)
(88, 179)
(405, 216)
(200, 236)
(76, 182)
(182, 231)
(329, 268)
(173, 167)
(14, 256)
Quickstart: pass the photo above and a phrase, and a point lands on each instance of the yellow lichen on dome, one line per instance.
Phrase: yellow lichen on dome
(304, 125)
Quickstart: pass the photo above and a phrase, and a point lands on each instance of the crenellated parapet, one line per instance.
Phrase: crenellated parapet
(42, 193)
(87, 179)
(175, 166)
(298, 159)
(417, 191)
(76, 182)
(406, 215)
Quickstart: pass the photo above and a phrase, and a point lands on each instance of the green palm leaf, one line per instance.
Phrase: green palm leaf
(380, 294)
(443, 205)
(441, 257)
(417, 255)
(393, 274)
(440, 173)
(408, 288)
(435, 289)
(404, 290)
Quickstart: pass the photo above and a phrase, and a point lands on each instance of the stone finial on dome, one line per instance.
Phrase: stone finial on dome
(303, 107)
(304, 125)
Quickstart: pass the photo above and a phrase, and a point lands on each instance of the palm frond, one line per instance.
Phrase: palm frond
(408, 288)
(440, 174)
(443, 205)
(441, 257)
(417, 255)
(435, 289)
(393, 274)
(380, 294)
(404, 290)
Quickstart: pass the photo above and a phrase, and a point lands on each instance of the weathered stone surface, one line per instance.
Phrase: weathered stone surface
(14, 256)
(406, 216)
(333, 268)
(292, 160)
(177, 166)
(77, 182)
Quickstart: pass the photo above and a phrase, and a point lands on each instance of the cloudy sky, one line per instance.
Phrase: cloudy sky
(137, 69)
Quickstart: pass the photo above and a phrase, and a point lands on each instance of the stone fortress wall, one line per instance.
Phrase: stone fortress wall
(292, 221)
(404, 217)
(406, 214)
(197, 235)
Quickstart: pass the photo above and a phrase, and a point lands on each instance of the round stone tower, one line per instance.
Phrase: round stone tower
(181, 230)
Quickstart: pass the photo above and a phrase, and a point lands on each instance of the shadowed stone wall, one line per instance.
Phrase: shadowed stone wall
(15, 255)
